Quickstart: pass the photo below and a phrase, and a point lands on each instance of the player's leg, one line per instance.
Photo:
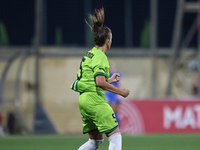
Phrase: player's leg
(95, 135)
(107, 123)
(95, 140)
(115, 139)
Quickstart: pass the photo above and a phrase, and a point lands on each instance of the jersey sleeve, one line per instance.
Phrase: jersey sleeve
(101, 67)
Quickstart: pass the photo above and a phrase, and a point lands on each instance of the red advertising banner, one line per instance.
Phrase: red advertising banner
(164, 116)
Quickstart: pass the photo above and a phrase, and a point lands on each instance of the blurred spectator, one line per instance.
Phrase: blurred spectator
(113, 99)
(196, 83)
(1, 123)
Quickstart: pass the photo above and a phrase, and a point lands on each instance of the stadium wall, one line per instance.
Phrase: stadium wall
(61, 103)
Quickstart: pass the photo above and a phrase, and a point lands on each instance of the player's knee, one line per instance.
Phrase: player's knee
(96, 143)
(99, 142)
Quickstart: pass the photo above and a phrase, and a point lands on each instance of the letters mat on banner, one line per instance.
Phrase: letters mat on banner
(164, 116)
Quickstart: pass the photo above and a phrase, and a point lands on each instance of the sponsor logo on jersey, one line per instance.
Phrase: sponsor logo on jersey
(89, 55)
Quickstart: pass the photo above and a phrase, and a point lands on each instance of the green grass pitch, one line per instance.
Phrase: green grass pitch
(130, 142)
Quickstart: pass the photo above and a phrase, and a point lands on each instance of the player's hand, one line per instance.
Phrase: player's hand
(115, 78)
(125, 92)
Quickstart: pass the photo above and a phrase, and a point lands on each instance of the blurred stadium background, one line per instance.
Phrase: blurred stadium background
(155, 46)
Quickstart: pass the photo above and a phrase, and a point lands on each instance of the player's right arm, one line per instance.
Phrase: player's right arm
(100, 81)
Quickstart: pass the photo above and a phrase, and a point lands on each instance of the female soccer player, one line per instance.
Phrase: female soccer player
(92, 81)
(113, 99)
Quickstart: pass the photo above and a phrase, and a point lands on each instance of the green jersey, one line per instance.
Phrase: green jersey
(93, 63)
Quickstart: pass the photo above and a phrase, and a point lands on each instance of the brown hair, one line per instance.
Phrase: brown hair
(101, 33)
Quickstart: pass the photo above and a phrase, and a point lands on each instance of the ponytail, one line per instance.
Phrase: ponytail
(100, 32)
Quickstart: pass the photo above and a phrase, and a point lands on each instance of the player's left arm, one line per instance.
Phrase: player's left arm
(114, 78)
